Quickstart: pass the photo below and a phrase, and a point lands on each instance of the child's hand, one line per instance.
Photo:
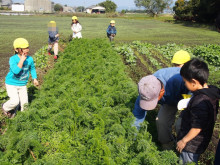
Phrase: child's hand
(57, 35)
(36, 83)
(180, 145)
(23, 56)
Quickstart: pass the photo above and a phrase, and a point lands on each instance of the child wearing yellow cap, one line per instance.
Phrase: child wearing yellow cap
(76, 27)
(16, 80)
(53, 38)
(111, 30)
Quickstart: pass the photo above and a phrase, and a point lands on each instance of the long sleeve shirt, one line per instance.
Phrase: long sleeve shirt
(173, 84)
(52, 35)
(76, 28)
(111, 30)
(19, 76)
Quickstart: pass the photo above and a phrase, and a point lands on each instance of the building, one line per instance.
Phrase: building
(39, 6)
(68, 9)
(17, 7)
(6, 3)
(95, 9)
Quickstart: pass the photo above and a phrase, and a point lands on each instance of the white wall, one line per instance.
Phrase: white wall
(16, 7)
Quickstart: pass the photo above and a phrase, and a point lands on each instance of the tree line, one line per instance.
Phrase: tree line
(197, 10)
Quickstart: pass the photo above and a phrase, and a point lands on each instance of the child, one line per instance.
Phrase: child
(53, 38)
(198, 119)
(17, 78)
(174, 87)
(76, 27)
(111, 31)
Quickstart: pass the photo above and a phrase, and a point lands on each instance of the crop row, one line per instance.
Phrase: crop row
(82, 115)
(209, 53)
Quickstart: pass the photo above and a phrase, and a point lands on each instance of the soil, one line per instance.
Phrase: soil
(136, 72)
(4, 67)
(31, 90)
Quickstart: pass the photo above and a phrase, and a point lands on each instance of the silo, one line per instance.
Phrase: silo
(38, 5)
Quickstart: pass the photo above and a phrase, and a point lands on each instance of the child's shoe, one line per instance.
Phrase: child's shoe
(55, 57)
(8, 114)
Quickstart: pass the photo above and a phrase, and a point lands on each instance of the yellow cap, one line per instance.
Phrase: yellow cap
(181, 57)
(20, 43)
(52, 24)
(74, 17)
(186, 96)
(112, 21)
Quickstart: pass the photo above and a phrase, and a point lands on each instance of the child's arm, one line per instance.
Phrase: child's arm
(22, 59)
(79, 28)
(115, 31)
(34, 73)
(193, 132)
(107, 30)
(16, 67)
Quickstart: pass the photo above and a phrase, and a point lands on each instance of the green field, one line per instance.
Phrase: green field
(34, 29)
(82, 113)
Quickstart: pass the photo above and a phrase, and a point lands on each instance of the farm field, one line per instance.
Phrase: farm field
(82, 115)
(34, 29)
(84, 105)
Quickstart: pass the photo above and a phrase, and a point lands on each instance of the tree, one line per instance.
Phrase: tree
(109, 6)
(80, 9)
(153, 7)
(197, 10)
(58, 7)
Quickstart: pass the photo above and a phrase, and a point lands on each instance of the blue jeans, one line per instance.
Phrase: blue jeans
(187, 157)
(139, 114)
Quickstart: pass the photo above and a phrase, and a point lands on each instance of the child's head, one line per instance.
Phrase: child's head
(195, 73)
(150, 90)
(112, 22)
(52, 26)
(74, 20)
(180, 58)
(21, 46)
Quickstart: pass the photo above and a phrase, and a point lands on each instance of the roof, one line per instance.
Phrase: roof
(96, 7)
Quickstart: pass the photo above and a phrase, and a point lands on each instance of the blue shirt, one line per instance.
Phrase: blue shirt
(174, 88)
(52, 35)
(111, 30)
(173, 84)
(19, 76)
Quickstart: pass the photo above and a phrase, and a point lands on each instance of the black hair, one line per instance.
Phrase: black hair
(195, 69)
(76, 22)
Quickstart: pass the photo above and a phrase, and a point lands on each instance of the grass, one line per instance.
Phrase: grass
(130, 27)
(34, 28)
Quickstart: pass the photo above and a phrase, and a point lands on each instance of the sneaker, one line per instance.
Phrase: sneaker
(8, 114)
(55, 57)
(12, 114)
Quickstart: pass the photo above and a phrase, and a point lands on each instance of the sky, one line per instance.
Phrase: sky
(122, 4)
